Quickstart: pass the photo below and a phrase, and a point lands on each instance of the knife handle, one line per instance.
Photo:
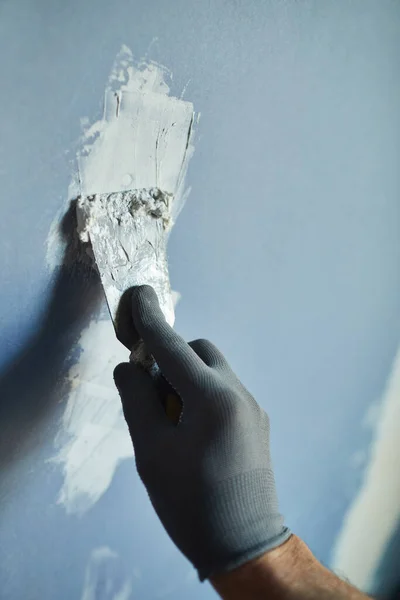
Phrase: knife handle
(170, 398)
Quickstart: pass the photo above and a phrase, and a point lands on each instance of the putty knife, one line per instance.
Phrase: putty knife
(128, 228)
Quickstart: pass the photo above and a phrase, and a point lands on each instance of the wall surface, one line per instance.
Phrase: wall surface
(286, 255)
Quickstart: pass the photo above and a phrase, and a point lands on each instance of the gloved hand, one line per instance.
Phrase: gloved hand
(210, 477)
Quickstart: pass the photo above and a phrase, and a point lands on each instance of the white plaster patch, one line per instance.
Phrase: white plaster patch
(375, 513)
(143, 141)
(137, 112)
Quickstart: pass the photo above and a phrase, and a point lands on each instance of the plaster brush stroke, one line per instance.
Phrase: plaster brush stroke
(375, 513)
(93, 438)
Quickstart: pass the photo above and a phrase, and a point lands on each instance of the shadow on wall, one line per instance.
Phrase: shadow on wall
(30, 386)
(387, 580)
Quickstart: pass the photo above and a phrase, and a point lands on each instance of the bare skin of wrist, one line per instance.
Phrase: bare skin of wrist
(289, 572)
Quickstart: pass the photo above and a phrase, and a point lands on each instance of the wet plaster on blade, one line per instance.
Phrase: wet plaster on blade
(93, 438)
(128, 232)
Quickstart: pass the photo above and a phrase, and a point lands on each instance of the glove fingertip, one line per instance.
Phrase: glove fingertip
(122, 374)
(127, 377)
(144, 299)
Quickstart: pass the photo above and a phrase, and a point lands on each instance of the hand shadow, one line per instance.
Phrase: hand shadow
(32, 385)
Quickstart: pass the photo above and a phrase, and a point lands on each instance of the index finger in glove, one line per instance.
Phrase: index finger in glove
(176, 359)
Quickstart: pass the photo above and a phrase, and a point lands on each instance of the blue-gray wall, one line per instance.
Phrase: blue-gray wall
(287, 253)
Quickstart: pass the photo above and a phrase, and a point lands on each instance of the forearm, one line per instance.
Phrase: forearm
(289, 572)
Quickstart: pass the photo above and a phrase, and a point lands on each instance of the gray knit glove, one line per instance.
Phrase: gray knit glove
(210, 477)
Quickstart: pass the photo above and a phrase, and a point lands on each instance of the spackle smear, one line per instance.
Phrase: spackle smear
(93, 438)
(105, 577)
(375, 513)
